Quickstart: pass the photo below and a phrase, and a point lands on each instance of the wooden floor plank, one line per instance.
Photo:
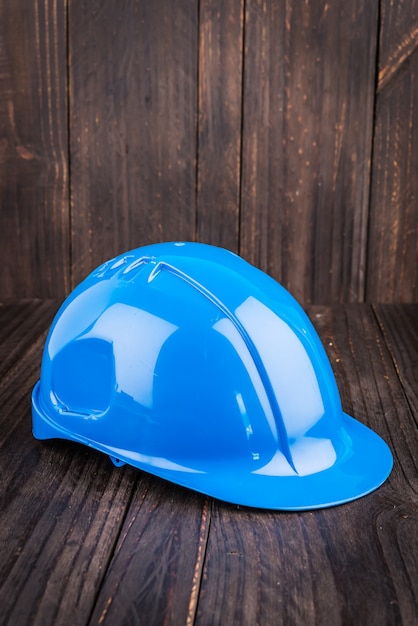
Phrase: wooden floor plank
(352, 564)
(371, 388)
(155, 574)
(13, 317)
(86, 542)
(399, 324)
(62, 505)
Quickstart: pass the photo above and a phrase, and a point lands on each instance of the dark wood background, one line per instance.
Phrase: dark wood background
(285, 131)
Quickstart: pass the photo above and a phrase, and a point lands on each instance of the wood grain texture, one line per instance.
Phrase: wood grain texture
(34, 210)
(392, 274)
(14, 315)
(281, 130)
(155, 573)
(399, 325)
(219, 132)
(307, 133)
(133, 93)
(61, 504)
(353, 564)
(370, 387)
(398, 38)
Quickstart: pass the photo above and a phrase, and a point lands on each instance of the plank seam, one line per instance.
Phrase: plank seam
(363, 297)
(241, 147)
(111, 555)
(197, 130)
(70, 178)
(200, 562)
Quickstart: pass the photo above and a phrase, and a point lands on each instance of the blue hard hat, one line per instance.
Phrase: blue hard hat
(187, 362)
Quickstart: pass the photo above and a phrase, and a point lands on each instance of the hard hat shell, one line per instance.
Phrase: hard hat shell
(187, 362)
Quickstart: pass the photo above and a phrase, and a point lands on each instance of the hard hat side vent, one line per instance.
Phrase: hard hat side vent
(122, 265)
(252, 349)
(82, 376)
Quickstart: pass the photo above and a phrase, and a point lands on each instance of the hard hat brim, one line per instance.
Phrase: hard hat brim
(362, 468)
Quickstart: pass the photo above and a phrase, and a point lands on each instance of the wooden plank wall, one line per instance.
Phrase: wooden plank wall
(34, 156)
(284, 131)
(393, 268)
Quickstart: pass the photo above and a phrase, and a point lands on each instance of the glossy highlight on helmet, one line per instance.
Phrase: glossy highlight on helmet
(185, 361)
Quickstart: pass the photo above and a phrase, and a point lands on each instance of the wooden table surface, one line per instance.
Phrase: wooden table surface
(84, 542)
